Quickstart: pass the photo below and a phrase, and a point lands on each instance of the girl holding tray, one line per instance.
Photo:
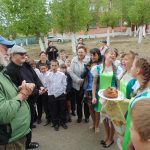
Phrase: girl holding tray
(107, 77)
(141, 71)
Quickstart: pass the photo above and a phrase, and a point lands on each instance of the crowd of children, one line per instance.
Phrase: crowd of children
(73, 83)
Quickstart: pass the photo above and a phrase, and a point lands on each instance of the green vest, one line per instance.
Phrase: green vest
(126, 87)
(126, 138)
(107, 79)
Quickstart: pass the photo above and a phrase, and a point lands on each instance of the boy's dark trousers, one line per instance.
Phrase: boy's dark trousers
(39, 107)
(42, 103)
(58, 108)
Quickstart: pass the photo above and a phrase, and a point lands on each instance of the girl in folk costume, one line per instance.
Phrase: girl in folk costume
(141, 71)
(95, 115)
(126, 80)
(107, 78)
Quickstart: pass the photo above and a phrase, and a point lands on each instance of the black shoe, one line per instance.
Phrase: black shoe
(56, 127)
(47, 122)
(73, 114)
(33, 145)
(79, 120)
(86, 120)
(39, 121)
(102, 142)
(69, 119)
(33, 126)
(108, 145)
(64, 126)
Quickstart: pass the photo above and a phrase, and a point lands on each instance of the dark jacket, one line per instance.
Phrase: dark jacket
(13, 71)
(39, 62)
(24, 72)
(88, 79)
(52, 52)
(69, 83)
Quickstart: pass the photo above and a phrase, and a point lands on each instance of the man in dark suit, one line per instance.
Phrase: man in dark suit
(19, 70)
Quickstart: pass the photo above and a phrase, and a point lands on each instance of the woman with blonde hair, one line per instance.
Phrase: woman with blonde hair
(141, 71)
(107, 77)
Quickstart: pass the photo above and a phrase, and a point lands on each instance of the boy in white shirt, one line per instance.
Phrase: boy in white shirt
(43, 99)
(57, 83)
(62, 57)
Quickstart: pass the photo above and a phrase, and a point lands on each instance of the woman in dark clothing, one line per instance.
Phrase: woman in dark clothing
(43, 60)
(51, 51)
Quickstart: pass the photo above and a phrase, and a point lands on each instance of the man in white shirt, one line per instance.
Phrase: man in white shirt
(56, 85)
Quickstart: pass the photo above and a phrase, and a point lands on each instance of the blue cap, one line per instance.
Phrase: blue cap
(6, 42)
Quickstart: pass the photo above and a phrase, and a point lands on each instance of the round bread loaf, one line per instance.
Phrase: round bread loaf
(110, 92)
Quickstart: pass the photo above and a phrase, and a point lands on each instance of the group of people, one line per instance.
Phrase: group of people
(62, 87)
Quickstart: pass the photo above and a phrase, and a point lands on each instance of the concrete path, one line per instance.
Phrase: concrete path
(76, 137)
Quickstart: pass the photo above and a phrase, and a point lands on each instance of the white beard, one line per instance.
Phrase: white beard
(4, 60)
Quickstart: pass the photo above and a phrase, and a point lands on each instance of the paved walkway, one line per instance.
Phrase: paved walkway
(76, 137)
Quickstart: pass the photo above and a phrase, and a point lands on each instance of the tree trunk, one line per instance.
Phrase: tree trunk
(110, 4)
(113, 33)
(62, 37)
(121, 24)
(140, 34)
(46, 41)
(144, 30)
(27, 41)
(108, 36)
(73, 39)
(130, 31)
(41, 44)
(135, 32)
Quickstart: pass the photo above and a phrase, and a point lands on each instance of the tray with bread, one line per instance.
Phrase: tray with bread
(111, 93)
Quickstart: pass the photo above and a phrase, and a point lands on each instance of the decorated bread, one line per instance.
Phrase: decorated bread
(110, 92)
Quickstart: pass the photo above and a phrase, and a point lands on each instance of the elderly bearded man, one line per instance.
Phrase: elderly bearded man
(14, 110)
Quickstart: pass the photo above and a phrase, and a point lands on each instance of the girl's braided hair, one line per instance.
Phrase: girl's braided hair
(144, 65)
